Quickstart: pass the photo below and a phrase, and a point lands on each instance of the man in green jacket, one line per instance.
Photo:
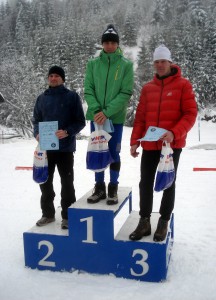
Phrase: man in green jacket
(108, 88)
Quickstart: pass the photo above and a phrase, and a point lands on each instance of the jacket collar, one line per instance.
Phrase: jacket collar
(175, 72)
(55, 90)
(111, 56)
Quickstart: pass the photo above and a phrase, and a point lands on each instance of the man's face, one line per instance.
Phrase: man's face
(110, 47)
(162, 67)
(55, 80)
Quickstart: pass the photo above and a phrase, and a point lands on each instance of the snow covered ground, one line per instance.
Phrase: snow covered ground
(192, 270)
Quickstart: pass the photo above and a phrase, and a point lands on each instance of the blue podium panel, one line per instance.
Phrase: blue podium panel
(89, 244)
(47, 252)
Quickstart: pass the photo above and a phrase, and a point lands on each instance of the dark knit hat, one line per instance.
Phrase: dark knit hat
(110, 35)
(57, 70)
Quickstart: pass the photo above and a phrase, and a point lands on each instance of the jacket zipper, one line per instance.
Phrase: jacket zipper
(160, 102)
(106, 82)
(160, 105)
(116, 75)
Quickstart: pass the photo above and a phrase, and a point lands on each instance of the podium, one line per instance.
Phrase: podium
(89, 245)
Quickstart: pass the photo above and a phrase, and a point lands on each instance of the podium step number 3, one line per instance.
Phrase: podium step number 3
(89, 245)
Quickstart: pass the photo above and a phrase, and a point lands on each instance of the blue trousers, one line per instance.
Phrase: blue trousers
(115, 148)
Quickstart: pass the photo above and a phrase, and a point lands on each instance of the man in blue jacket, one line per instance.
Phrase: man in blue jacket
(60, 104)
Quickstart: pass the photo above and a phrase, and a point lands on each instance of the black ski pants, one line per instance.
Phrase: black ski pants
(64, 162)
(149, 163)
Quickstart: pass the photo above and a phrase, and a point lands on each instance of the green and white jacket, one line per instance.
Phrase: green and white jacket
(108, 85)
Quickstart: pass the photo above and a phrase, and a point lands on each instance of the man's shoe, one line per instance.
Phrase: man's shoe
(143, 229)
(112, 198)
(161, 231)
(64, 224)
(44, 221)
(99, 193)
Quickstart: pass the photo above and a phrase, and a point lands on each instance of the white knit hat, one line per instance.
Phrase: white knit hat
(162, 52)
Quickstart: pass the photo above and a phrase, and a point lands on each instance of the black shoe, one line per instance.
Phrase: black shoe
(161, 231)
(99, 193)
(112, 194)
(143, 229)
(64, 224)
(44, 221)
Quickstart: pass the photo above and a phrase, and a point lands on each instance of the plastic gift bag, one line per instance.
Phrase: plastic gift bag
(40, 166)
(166, 171)
(98, 156)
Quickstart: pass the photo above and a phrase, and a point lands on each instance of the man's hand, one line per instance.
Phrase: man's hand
(100, 118)
(61, 134)
(133, 151)
(167, 137)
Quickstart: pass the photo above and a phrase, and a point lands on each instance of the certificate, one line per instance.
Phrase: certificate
(47, 138)
(153, 134)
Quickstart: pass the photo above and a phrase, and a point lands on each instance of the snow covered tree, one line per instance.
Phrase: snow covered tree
(131, 28)
(144, 64)
(68, 33)
(20, 91)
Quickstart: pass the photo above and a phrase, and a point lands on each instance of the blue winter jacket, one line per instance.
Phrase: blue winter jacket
(62, 105)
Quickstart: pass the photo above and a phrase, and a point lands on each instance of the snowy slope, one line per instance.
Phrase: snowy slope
(192, 269)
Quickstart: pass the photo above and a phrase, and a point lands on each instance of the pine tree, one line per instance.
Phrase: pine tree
(130, 27)
(145, 65)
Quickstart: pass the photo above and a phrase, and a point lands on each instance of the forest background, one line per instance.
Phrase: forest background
(37, 34)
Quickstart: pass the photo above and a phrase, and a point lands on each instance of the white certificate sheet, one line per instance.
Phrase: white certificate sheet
(47, 138)
(153, 134)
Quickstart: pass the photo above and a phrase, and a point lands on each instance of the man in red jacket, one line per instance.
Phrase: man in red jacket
(167, 102)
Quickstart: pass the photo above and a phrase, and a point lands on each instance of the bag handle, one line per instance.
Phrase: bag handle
(166, 144)
(98, 127)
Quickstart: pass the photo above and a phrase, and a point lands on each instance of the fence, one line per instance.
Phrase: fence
(4, 136)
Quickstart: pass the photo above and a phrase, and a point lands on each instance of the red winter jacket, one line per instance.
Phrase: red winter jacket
(169, 104)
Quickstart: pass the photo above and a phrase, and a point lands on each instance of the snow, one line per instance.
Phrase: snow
(192, 270)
